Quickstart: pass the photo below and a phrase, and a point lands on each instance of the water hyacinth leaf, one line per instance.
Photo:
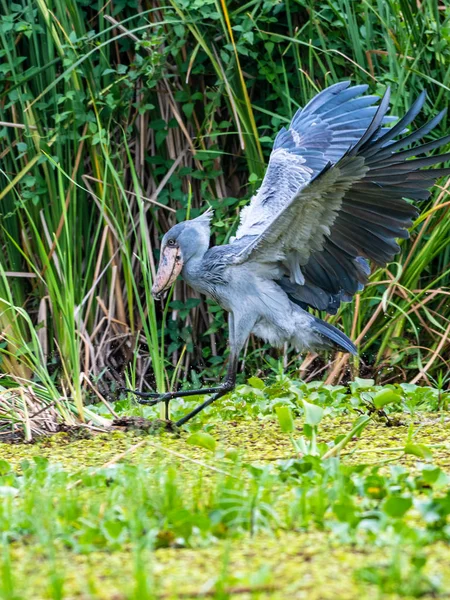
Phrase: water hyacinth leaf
(5, 467)
(308, 430)
(201, 439)
(397, 506)
(431, 473)
(285, 419)
(361, 384)
(433, 476)
(113, 529)
(256, 382)
(232, 453)
(313, 413)
(419, 450)
(245, 390)
(384, 397)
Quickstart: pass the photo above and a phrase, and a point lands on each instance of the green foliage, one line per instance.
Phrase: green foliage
(313, 414)
(202, 440)
(207, 493)
(384, 397)
(288, 399)
(284, 415)
(118, 120)
(403, 575)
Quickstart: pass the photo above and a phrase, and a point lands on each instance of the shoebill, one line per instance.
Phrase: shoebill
(338, 192)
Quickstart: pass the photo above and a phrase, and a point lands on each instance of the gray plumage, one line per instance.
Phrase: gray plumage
(333, 199)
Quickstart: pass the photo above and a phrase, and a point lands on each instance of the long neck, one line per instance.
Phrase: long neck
(192, 270)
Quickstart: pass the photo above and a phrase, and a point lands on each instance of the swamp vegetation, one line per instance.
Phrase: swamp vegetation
(118, 119)
(318, 477)
(321, 502)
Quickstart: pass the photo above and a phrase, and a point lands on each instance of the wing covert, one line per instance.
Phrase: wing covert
(320, 133)
(350, 213)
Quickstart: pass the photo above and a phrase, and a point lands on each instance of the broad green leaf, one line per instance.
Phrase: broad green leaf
(431, 474)
(386, 396)
(285, 419)
(244, 390)
(113, 529)
(419, 450)
(308, 430)
(256, 382)
(202, 440)
(5, 467)
(397, 506)
(313, 413)
(362, 384)
(188, 109)
(232, 453)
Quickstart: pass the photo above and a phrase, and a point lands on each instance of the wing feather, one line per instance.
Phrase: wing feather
(353, 209)
(319, 134)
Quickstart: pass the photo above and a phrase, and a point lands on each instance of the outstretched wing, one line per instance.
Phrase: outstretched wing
(351, 211)
(320, 133)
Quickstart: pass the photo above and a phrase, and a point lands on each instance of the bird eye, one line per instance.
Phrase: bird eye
(171, 243)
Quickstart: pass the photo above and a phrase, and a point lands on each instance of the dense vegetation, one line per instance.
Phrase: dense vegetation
(323, 502)
(120, 118)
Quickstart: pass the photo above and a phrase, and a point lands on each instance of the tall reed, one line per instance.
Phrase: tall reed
(115, 124)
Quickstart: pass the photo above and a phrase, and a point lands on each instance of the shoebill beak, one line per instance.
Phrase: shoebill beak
(170, 265)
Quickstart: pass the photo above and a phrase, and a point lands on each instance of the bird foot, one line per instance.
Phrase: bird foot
(148, 398)
(152, 399)
(162, 398)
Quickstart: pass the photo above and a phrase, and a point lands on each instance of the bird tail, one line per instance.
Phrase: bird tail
(333, 336)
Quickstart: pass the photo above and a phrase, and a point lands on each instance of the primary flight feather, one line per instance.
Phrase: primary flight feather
(336, 194)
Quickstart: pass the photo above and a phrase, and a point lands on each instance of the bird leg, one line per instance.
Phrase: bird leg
(166, 396)
(228, 384)
(152, 398)
(239, 331)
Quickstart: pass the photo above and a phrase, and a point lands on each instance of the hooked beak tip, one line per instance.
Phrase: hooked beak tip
(158, 289)
(169, 268)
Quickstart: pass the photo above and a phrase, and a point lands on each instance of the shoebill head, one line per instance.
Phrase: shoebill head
(179, 245)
